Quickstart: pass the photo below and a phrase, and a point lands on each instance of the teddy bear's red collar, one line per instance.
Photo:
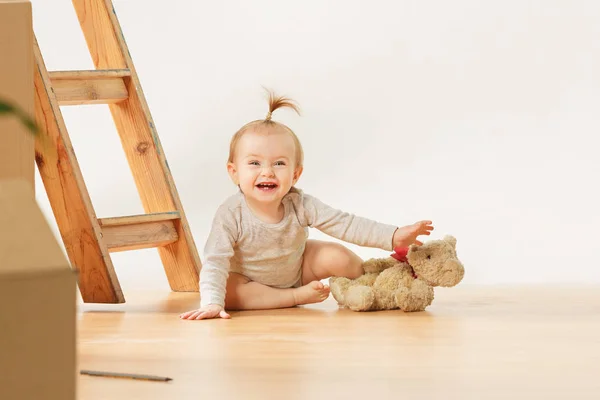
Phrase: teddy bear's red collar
(400, 254)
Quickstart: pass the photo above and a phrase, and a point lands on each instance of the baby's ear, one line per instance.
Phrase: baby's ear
(232, 171)
(297, 173)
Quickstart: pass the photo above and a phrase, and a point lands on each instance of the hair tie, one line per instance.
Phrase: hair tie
(268, 118)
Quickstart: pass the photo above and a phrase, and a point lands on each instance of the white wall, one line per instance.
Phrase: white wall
(482, 116)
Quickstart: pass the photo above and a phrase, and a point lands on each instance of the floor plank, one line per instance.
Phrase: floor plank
(472, 343)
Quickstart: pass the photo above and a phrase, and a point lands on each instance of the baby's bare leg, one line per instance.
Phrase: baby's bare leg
(326, 259)
(243, 294)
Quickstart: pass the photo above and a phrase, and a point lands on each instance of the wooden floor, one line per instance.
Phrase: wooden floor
(472, 343)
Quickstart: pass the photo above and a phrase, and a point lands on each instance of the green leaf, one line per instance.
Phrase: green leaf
(6, 108)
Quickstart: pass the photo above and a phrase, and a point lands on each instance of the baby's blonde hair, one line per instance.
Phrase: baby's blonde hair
(267, 124)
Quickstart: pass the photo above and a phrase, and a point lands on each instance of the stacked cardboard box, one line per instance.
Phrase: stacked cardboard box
(37, 303)
(37, 284)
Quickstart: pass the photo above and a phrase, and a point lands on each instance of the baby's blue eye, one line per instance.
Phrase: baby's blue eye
(253, 163)
(280, 163)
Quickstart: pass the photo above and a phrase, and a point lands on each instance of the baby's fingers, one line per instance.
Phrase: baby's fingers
(213, 314)
(189, 314)
(426, 224)
(206, 314)
(200, 313)
(425, 228)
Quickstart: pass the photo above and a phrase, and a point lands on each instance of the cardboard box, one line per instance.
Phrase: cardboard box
(38, 303)
(17, 155)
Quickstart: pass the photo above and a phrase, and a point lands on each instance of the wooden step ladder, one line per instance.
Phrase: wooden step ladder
(87, 239)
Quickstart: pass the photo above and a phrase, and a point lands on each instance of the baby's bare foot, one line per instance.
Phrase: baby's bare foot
(314, 292)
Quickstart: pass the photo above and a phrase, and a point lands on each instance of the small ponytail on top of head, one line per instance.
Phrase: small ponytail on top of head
(276, 102)
(267, 125)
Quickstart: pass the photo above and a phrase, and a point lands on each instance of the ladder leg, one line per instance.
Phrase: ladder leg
(69, 198)
(140, 140)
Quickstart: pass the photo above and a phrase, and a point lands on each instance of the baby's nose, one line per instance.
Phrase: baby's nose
(267, 171)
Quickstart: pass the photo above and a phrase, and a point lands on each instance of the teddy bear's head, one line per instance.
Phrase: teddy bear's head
(436, 262)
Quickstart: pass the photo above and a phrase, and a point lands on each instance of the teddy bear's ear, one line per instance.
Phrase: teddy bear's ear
(413, 247)
(450, 239)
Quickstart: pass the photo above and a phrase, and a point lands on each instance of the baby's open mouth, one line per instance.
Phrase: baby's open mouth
(267, 186)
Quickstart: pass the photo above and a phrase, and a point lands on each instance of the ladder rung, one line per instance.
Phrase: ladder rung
(139, 231)
(89, 87)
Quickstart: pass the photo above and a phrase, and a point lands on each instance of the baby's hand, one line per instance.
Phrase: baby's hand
(407, 235)
(210, 311)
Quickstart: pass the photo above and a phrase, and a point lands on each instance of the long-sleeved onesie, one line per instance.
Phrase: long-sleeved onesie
(272, 253)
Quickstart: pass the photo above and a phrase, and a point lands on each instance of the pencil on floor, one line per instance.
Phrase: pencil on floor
(125, 375)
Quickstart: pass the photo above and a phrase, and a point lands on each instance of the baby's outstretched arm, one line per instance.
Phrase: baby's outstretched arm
(360, 230)
(345, 226)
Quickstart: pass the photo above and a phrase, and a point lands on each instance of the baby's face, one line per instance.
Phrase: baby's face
(265, 166)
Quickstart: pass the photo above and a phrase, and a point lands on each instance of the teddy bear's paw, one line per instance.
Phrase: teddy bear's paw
(338, 286)
(417, 298)
(360, 298)
(422, 293)
(403, 298)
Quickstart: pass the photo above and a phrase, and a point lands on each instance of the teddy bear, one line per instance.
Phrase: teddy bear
(404, 280)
